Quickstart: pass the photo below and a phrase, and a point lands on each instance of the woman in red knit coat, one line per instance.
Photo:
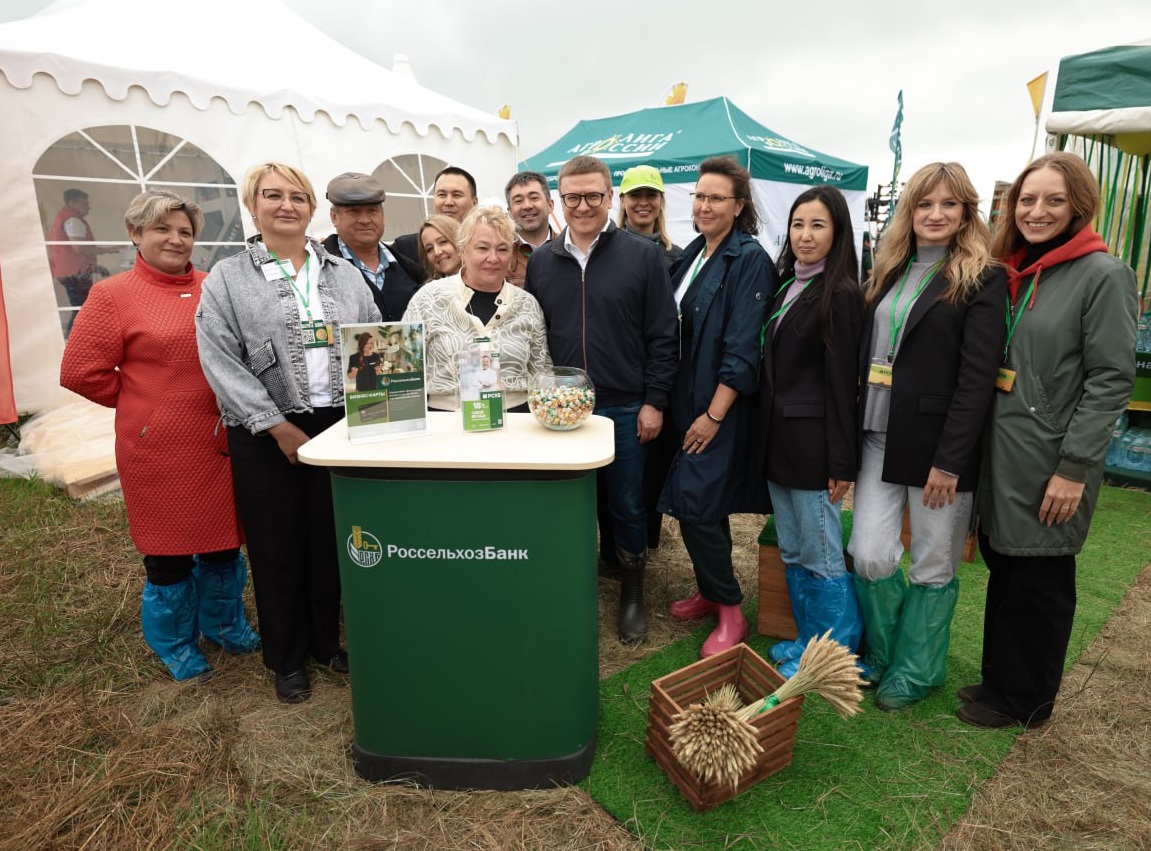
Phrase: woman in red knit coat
(133, 348)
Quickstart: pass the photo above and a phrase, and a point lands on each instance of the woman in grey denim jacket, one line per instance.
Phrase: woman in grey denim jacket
(268, 334)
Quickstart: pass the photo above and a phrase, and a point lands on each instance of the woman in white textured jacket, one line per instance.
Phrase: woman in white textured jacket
(478, 303)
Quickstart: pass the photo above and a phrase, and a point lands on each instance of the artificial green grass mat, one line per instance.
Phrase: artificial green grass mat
(877, 780)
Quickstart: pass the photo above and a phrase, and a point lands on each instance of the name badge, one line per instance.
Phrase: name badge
(880, 374)
(274, 271)
(317, 334)
(1004, 379)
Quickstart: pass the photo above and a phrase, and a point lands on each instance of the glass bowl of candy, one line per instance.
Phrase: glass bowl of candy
(561, 399)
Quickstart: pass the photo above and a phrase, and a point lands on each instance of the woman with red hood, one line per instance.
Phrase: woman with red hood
(1067, 373)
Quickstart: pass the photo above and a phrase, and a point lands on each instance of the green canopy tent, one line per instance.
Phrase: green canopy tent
(676, 139)
(1102, 111)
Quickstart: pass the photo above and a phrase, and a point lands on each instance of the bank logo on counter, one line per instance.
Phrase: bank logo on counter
(364, 548)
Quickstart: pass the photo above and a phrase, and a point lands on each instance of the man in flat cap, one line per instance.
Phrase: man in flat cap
(358, 213)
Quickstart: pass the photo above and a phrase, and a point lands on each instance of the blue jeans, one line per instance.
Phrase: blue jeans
(623, 479)
(807, 526)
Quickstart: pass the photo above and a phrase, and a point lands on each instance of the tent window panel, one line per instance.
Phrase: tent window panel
(190, 164)
(106, 203)
(222, 213)
(405, 215)
(75, 154)
(154, 146)
(102, 169)
(408, 180)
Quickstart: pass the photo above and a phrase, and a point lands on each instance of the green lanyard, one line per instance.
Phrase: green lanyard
(306, 296)
(791, 301)
(1014, 315)
(786, 284)
(897, 318)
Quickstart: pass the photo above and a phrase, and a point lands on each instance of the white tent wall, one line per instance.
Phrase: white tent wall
(39, 116)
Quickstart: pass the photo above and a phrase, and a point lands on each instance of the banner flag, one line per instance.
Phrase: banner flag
(676, 94)
(894, 143)
(1036, 88)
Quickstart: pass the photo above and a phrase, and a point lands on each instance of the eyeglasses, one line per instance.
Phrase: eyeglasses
(275, 196)
(712, 200)
(572, 199)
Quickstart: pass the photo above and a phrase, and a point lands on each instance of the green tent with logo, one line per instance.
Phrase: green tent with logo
(1102, 111)
(676, 139)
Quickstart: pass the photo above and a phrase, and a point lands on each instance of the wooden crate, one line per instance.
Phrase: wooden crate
(754, 678)
(774, 615)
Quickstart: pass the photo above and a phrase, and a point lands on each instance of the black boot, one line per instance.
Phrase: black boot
(632, 623)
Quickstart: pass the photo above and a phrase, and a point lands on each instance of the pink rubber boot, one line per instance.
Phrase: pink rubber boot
(693, 607)
(732, 629)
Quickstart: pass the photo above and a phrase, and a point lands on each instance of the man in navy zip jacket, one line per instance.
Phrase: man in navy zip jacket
(607, 301)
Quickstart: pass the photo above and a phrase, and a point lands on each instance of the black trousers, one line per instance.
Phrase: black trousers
(709, 545)
(286, 510)
(1026, 628)
(168, 570)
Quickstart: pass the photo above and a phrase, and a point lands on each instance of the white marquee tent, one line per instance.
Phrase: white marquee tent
(114, 96)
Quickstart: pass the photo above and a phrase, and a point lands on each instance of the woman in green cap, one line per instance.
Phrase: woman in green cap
(641, 209)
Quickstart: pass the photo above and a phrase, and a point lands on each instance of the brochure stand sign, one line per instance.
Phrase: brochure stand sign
(384, 380)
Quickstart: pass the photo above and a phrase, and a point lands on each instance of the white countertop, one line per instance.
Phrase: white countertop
(522, 444)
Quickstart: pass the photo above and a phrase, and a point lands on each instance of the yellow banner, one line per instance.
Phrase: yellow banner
(1035, 88)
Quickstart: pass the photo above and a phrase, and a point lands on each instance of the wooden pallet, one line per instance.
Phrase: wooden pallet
(754, 678)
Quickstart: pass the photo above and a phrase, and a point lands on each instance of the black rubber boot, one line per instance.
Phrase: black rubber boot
(632, 622)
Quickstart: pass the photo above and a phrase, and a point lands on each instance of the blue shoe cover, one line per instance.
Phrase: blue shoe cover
(169, 618)
(222, 620)
(797, 579)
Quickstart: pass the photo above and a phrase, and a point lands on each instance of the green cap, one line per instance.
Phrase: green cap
(641, 177)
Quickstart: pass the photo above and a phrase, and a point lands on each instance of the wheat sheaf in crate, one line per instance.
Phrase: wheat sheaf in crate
(752, 678)
(718, 740)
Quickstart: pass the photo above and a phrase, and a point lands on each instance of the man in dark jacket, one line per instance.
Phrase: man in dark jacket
(358, 213)
(607, 302)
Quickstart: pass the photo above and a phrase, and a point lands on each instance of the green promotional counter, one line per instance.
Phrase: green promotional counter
(468, 570)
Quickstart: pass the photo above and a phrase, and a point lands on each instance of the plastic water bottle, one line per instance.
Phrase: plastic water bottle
(1137, 450)
(1143, 338)
(1143, 453)
(1128, 458)
(1115, 447)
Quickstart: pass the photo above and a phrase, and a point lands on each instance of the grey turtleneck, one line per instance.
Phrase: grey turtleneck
(878, 405)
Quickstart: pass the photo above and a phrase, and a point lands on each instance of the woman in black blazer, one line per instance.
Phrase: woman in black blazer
(933, 341)
(808, 397)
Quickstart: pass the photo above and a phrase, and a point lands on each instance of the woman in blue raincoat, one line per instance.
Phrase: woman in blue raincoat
(721, 284)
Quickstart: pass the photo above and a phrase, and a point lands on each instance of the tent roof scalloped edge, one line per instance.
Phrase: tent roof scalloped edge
(336, 81)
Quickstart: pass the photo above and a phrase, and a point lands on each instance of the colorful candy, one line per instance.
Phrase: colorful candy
(561, 407)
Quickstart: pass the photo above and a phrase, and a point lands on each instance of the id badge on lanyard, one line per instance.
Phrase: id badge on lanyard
(1004, 379)
(880, 373)
(317, 333)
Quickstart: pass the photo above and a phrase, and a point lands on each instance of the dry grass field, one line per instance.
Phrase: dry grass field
(101, 750)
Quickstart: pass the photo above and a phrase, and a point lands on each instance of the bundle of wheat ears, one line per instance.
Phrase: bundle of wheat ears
(716, 740)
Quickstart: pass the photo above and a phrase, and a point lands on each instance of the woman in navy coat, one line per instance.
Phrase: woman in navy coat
(722, 284)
